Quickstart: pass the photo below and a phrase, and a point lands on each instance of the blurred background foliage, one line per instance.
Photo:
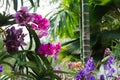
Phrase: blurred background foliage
(104, 20)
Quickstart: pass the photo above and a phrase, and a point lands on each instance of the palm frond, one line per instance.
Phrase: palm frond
(65, 19)
(6, 19)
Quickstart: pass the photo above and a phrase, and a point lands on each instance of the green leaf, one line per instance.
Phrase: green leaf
(5, 77)
(6, 19)
(69, 42)
(38, 1)
(63, 21)
(32, 74)
(22, 2)
(40, 61)
(32, 3)
(7, 5)
(97, 12)
(36, 64)
(26, 77)
(4, 62)
(3, 57)
(31, 41)
(105, 59)
(35, 37)
(54, 76)
(29, 64)
(1, 43)
(57, 71)
(46, 62)
(72, 46)
(101, 2)
(110, 35)
(40, 66)
(31, 56)
(15, 4)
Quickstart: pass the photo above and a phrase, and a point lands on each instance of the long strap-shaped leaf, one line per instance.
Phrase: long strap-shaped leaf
(85, 29)
(15, 2)
(37, 44)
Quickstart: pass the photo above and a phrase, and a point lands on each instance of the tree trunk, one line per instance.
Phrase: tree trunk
(85, 27)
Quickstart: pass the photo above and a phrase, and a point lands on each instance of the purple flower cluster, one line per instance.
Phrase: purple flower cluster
(107, 51)
(90, 78)
(108, 67)
(89, 67)
(80, 75)
(118, 78)
(23, 16)
(36, 21)
(102, 77)
(14, 39)
(61, 75)
(70, 65)
(1, 68)
(40, 24)
(50, 49)
(111, 60)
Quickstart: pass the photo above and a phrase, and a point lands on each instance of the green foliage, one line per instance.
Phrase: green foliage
(117, 3)
(15, 2)
(23, 60)
(116, 49)
(6, 19)
(34, 3)
(104, 25)
(65, 24)
(96, 13)
(65, 19)
(72, 46)
(100, 2)
(27, 63)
